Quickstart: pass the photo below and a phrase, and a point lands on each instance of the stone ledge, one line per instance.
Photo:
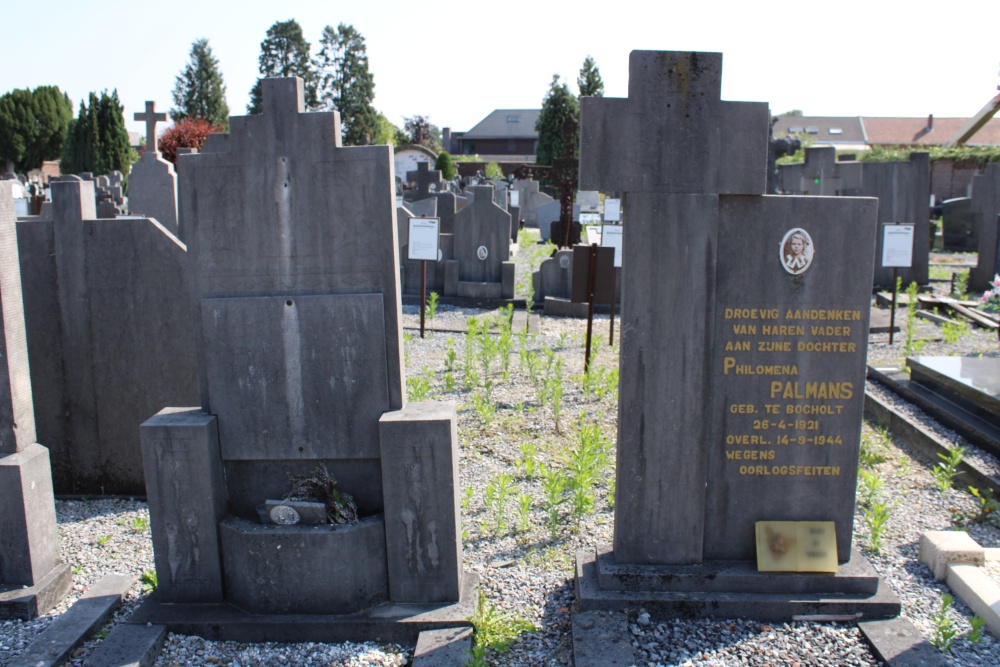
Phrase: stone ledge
(53, 646)
(447, 647)
(129, 646)
(940, 548)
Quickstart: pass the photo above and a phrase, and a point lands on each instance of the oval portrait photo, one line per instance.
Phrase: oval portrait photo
(796, 251)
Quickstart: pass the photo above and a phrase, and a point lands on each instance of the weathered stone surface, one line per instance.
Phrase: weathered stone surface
(30, 542)
(959, 225)
(186, 493)
(111, 337)
(904, 191)
(129, 646)
(423, 528)
(285, 392)
(304, 569)
(940, 548)
(447, 647)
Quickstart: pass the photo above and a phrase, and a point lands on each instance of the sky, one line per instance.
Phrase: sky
(455, 62)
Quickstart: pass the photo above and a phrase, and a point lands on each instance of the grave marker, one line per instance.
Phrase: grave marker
(296, 288)
(153, 182)
(742, 358)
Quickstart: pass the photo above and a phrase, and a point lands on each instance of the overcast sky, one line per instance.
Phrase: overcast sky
(457, 61)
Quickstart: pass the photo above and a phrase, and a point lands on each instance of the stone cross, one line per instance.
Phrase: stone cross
(424, 177)
(151, 118)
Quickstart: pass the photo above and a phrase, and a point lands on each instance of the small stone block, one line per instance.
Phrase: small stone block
(507, 280)
(601, 639)
(309, 514)
(28, 602)
(27, 517)
(129, 646)
(447, 647)
(897, 642)
(479, 290)
(53, 646)
(420, 490)
(939, 548)
(977, 590)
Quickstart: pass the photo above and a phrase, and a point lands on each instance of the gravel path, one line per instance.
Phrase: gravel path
(522, 544)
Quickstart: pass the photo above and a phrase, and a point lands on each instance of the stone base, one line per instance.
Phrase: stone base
(28, 602)
(559, 307)
(387, 622)
(471, 290)
(731, 589)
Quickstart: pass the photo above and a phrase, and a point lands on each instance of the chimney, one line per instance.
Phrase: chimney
(446, 138)
(930, 122)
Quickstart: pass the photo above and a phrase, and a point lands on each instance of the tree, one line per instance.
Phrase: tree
(557, 105)
(344, 83)
(199, 91)
(387, 132)
(284, 52)
(97, 140)
(420, 131)
(33, 125)
(590, 82)
(446, 165)
(187, 133)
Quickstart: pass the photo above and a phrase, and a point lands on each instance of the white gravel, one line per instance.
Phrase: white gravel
(526, 571)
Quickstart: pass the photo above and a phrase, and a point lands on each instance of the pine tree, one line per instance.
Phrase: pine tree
(557, 105)
(97, 140)
(33, 126)
(199, 91)
(284, 52)
(590, 82)
(345, 83)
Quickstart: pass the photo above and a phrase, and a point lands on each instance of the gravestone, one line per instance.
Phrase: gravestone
(425, 178)
(959, 225)
(152, 182)
(902, 188)
(410, 269)
(821, 174)
(986, 208)
(742, 355)
(480, 268)
(548, 214)
(32, 580)
(447, 206)
(424, 207)
(106, 309)
(530, 199)
(295, 289)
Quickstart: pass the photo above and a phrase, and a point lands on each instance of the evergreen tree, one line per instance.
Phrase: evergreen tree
(97, 140)
(33, 125)
(199, 91)
(590, 82)
(284, 52)
(557, 105)
(446, 165)
(344, 83)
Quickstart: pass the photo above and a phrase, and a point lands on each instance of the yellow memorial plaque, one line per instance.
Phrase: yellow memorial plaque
(796, 546)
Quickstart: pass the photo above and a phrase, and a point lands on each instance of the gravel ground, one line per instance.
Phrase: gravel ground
(524, 553)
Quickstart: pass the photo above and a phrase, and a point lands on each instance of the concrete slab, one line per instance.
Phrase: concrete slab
(941, 548)
(447, 647)
(897, 642)
(601, 640)
(28, 602)
(129, 646)
(388, 622)
(976, 589)
(53, 646)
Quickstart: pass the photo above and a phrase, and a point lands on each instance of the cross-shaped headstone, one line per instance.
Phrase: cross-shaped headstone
(669, 134)
(424, 177)
(151, 118)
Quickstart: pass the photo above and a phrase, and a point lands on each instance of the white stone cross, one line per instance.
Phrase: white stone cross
(151, 118)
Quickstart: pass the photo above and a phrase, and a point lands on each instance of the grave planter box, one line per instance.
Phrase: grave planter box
(273, 569)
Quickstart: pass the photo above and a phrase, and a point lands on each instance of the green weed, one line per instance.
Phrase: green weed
(876, 517)
(944, 634)
(947, 469)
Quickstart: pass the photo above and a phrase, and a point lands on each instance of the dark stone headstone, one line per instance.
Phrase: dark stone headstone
(296, 287)
(986, 208)
(959, 225)
(714, 408)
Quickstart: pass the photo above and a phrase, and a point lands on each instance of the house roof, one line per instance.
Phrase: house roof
(506, 124)
(824, 129)
(883, 131)
(893, 131)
